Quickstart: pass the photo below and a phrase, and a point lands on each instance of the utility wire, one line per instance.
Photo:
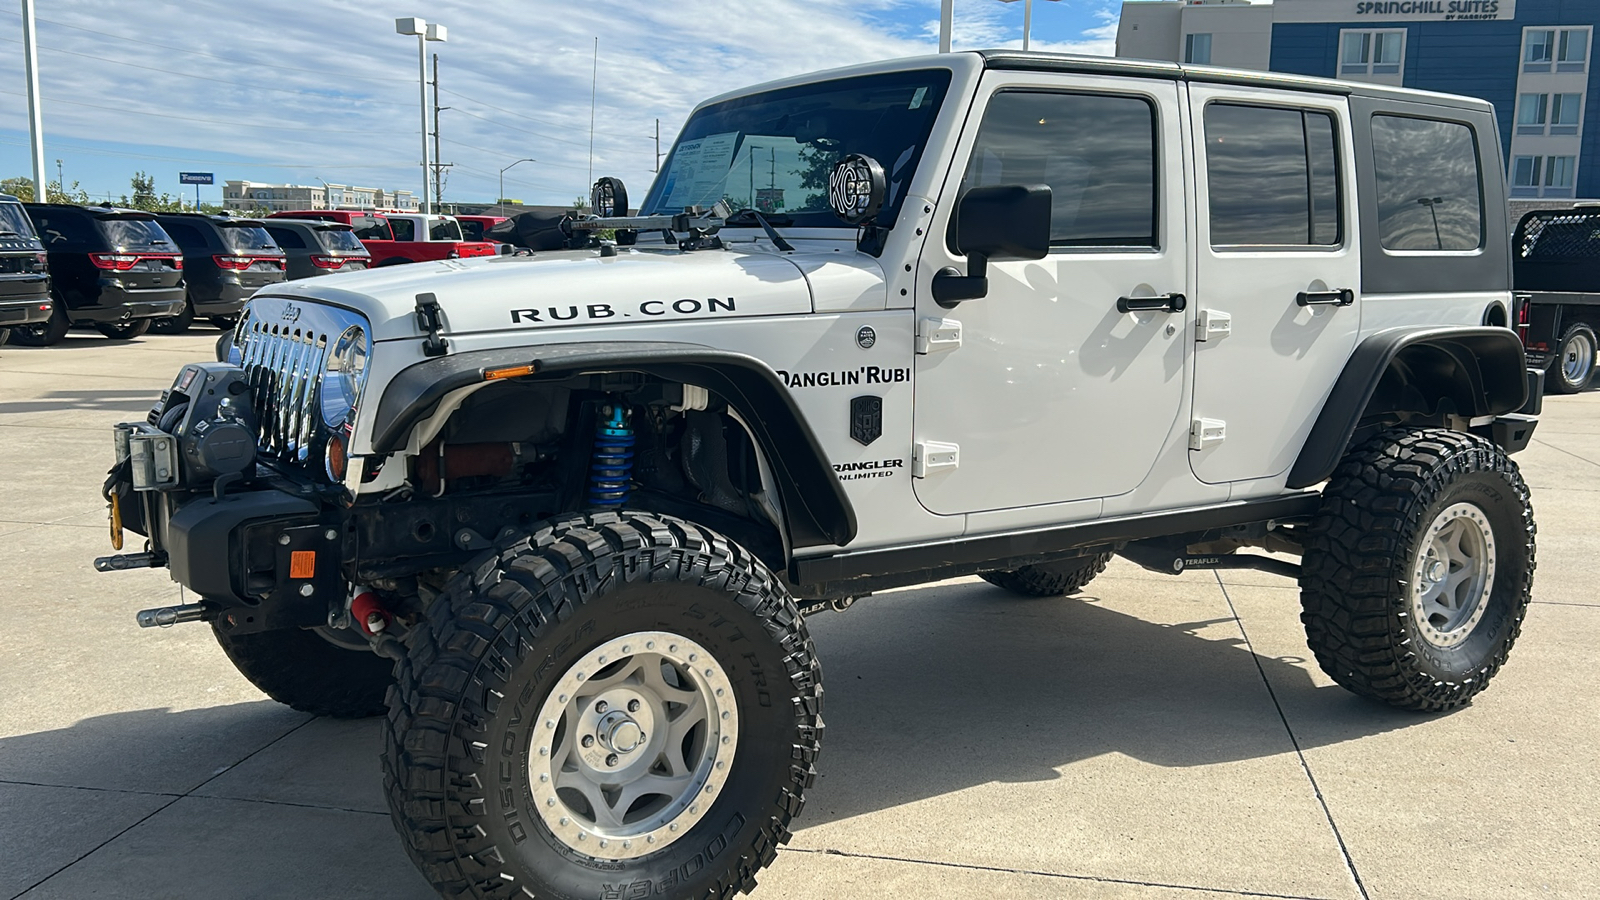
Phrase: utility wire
(221, 162)
(535, 119)
(139, 112)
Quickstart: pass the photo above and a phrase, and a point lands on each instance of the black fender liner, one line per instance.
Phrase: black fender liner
(814, 503)
(1481, 370)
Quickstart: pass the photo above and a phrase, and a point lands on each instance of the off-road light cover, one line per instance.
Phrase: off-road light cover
(856, 188)
(608, 199)
(344, 375)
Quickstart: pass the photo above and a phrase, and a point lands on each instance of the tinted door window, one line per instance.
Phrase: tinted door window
(1097, 154)
(1272, 175)
(187, 236)
(404, 229)
(287, 238)
(369, 228)
(1428, 184)
(443, 230)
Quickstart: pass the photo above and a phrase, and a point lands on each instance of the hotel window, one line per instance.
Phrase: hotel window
(1572, 49)
(1531, 113)
(1371, 52)
(1546, 176)
(1564, 113)
(1197, 49)
(1537, 48)
(1558, 175)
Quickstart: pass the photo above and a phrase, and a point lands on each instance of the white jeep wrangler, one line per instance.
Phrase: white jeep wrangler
(1003, 314)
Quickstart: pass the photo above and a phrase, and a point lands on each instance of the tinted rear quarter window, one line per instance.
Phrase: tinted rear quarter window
(287, 238)
(444, 230)
(1096, 152)
(64, 229)
(1272, 176)
(472, 230)
(372, 229)
(404, 229)
(1429, 193)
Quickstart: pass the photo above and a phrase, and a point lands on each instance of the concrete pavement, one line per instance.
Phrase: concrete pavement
(1154, 738)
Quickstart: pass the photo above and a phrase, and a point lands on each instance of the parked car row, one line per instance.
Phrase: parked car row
(125, 271)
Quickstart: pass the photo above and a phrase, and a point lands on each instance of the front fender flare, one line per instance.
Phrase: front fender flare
(814, 502)
(1482, 370)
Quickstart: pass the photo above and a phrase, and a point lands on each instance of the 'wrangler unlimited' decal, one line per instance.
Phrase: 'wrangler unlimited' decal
(593, 312)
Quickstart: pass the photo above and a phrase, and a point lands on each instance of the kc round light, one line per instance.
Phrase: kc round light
(345, 373)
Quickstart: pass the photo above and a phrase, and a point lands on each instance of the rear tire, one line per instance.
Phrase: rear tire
(1572, 365)
(530, 751)
(1418, 568)
(177, 324)
(305, 671)
(123, 331)
(46, 333)
(1050, 579)
(224, 323)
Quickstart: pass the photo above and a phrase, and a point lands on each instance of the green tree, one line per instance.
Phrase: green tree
(145, 197)
(22, 188)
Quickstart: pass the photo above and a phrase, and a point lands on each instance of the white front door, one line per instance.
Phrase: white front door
(1278, 292)
(1051, 393)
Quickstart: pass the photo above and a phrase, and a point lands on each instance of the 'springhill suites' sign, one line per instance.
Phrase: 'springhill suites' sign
(1393, 10)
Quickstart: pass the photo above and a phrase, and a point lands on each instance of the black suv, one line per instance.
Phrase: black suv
(24, 273)
(315, 247)
(225, 259)
(111, 268)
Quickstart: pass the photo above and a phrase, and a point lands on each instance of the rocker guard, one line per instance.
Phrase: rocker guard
(814, 503)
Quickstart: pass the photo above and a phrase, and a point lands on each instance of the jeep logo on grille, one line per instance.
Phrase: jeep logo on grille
(291, 313)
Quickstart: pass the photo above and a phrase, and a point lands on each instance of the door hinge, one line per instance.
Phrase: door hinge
(1205, 432)
(931, 457)
(935, 335)
(1212, 323)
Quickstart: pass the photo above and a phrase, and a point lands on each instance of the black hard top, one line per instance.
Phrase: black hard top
(211, 217)
(102, 210)
(1146, 68)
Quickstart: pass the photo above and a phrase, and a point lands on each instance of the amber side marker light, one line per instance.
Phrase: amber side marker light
(509, 372)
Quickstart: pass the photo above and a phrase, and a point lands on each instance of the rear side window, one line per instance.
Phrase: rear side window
(14, 220)
(404, 229)
(1096, 152)
(187, 236)
(1272, 176)
(472, 230)
(1429, 185)
(63, 229)
(443, 230)
(247, 237)
(340, 239)
(287, 238)
(369, 228)
(134, 233)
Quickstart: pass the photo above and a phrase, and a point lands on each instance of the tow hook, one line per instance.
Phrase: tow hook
(129, 561)
(367, 611)
(167, 616)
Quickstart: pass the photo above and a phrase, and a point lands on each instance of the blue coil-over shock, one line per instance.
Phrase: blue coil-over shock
(612, 467)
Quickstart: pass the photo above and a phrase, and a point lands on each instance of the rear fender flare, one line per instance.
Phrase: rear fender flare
(1480, 371)
(815, 507)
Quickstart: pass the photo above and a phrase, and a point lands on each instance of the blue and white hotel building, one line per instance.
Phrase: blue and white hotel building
(1533, 59)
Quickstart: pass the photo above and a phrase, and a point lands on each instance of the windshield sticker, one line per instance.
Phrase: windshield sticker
(916, 98)
(698, 169)
(595, 312)
(858, 375)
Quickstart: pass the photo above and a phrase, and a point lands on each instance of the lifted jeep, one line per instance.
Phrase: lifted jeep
(562, 517)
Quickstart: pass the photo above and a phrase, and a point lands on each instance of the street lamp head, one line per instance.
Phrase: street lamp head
(411, 26)
(437, 32)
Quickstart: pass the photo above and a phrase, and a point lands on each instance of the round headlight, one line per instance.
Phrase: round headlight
(345, 373)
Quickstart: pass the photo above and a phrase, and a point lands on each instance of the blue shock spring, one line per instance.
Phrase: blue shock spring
(612, 468)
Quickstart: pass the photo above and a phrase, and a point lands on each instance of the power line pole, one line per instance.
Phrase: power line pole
(438, 166)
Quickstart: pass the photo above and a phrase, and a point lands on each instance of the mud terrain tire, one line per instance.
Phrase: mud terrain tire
(305, 671)
(1051, 579)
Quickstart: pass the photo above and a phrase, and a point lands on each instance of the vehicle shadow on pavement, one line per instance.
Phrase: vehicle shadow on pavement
(948, 687)
(105, 400)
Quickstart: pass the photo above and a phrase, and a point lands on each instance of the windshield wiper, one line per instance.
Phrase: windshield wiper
(748, 216)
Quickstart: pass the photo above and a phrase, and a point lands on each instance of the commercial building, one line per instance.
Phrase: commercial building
(246, 196)
(1533, 59)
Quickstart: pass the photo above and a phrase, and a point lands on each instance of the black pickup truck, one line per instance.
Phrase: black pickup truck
(1556, 277)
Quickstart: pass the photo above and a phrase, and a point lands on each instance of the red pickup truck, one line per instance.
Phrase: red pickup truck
(409, 237)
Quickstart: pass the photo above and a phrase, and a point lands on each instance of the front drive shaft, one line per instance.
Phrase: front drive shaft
(164, 616)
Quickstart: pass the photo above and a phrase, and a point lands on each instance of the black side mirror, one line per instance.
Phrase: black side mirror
(1005, 221)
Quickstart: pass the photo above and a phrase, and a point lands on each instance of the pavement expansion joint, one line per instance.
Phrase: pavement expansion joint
(1567, 452)
(1098, 879)
(1305, 766)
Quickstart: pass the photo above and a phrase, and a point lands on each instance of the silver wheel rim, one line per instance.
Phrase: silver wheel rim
(1453, 575)
(1578, 361)
(632, 745)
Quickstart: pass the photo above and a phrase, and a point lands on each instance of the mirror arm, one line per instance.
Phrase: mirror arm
(950, 287)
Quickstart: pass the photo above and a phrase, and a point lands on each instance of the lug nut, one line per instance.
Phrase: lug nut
(611, 760)
(633, 706)
(601, 707)
(588, 740)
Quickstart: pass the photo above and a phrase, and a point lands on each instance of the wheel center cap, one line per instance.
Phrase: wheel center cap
(621, 734)
(1436, 570)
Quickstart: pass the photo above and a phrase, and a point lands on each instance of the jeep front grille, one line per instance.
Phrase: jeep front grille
(283, 347)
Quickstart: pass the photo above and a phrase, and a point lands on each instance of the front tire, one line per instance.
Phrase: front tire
(1572, 367)
(123, 331)
(657, 674)
(305, 671)
(1050, 579)
(1418, 568)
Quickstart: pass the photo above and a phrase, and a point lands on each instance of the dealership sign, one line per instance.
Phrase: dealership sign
(1393, 10)
(196, 178)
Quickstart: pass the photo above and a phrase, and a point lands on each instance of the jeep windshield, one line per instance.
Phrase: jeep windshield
(773, 152)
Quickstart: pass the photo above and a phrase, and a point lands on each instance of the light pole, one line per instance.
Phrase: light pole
(1430, 203)
(1027, 19)
(501, 200)
(30, 62)
(424, 32)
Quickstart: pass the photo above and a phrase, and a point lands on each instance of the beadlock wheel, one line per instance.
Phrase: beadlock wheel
(635, 742)
(1453, 573)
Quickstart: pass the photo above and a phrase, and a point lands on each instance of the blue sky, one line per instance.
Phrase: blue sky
(307, 91)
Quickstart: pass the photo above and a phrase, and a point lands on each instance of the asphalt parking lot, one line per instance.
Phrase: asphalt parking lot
(1152, 738)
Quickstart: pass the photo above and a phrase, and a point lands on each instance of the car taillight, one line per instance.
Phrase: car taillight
(282, 262)
(235, 263)
(328, 262)
(120, 262)
(177, 262)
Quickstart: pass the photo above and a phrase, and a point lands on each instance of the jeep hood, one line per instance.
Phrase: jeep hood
(580, 287)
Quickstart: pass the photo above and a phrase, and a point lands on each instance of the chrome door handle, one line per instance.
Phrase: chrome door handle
(1164, 303)
(1341, 297)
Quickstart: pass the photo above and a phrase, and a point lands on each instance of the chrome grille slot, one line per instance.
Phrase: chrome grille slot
(283, 347)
